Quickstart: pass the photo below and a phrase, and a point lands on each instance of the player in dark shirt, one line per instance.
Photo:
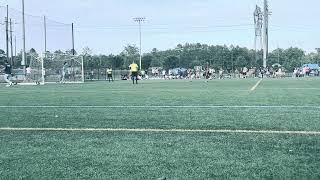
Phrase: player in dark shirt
(7, 68)
(7, 73)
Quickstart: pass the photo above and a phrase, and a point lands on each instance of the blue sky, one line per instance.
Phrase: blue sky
(106, 26)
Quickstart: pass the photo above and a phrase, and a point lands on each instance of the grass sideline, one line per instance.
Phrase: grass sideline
(175, 155)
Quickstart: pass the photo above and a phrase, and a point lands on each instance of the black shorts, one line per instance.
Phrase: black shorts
(109, 75)
(134, 74)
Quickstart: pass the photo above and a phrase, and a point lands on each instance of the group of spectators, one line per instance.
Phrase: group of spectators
(305, 72)
(212, 73)
(220, 73)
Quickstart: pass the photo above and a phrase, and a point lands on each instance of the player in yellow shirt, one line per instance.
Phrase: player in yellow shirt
(109, 74)
(134, 71)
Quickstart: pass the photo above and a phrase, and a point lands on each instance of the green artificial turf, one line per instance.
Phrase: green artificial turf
(149, 155)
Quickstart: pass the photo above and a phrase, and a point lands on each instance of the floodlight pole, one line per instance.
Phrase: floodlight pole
(7, 33)
(258, 23)
(265, 33)
(72, 29)
(45, 35)
(15, 46)
(23, 62)
(11, 43)
(140, 20)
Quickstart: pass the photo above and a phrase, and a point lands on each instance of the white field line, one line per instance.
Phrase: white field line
(290, 88)
(162, 130)
(172, 107)
(158, 90)
(256, 85)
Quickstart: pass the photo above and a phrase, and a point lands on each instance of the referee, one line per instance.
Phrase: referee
(134, 72)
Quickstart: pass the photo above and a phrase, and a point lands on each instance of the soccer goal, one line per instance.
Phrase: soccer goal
(63, 68)
(54, 68)
(34, 72)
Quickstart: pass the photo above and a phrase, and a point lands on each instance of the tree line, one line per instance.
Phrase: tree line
(190, 55)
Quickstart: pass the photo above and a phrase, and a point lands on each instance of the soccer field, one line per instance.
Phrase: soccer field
(219, 129)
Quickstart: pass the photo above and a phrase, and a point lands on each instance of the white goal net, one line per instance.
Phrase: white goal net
(63, 68)
(55, 68)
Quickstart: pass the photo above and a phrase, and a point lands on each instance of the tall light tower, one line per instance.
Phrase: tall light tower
(23, 62)
(265, 33)
(140, 20)
(7, 33)
(258, 18)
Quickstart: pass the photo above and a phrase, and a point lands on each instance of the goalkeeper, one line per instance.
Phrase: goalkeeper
(64, 72)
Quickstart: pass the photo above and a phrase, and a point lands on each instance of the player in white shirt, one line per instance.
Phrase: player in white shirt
(64, 72)
(164, 74)
(28, 75)
(221, 73)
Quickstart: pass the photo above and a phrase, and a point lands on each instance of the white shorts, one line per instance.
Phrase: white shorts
(7, 76)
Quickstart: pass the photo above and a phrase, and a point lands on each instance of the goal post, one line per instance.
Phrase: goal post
(82, 60)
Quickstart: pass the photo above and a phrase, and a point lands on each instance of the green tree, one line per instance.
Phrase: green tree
(171, 62)
(146, 61)
(117, 62)
(2, 56)
(86, 51)
(130, 54)
(294, 57)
